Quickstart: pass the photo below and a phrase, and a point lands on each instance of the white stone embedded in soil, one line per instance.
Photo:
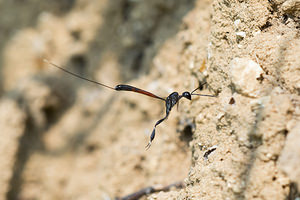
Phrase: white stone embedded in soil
(255, 33)
(237, 23)
(241, 34)
(209, 51)
(244, 73)
(291, 7)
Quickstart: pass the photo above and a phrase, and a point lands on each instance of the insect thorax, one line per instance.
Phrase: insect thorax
(171, 100)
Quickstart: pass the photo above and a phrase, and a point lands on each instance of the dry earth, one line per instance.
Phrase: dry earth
(64, 138)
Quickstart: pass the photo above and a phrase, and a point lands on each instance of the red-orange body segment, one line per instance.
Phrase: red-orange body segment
(138, 90)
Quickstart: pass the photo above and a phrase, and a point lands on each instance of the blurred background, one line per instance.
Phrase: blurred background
(64, 138)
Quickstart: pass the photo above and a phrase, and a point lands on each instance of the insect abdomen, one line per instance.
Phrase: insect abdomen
(134, 89)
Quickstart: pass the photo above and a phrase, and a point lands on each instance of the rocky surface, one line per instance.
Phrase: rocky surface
(64, 138)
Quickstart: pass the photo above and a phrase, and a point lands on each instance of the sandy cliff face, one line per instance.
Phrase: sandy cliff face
(63, 138)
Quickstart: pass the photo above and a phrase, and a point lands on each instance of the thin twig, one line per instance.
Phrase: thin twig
(150, 190)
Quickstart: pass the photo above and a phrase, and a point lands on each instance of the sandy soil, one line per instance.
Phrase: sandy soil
(64, 138)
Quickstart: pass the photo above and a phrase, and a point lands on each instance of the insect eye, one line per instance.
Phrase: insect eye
(187, 95)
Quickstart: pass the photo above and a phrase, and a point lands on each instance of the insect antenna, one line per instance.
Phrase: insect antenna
(205, 95)
(76, 75)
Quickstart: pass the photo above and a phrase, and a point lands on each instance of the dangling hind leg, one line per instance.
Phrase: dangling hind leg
(151, 138)
(153, 132)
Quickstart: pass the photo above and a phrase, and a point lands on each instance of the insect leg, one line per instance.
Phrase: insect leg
(153, 132)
